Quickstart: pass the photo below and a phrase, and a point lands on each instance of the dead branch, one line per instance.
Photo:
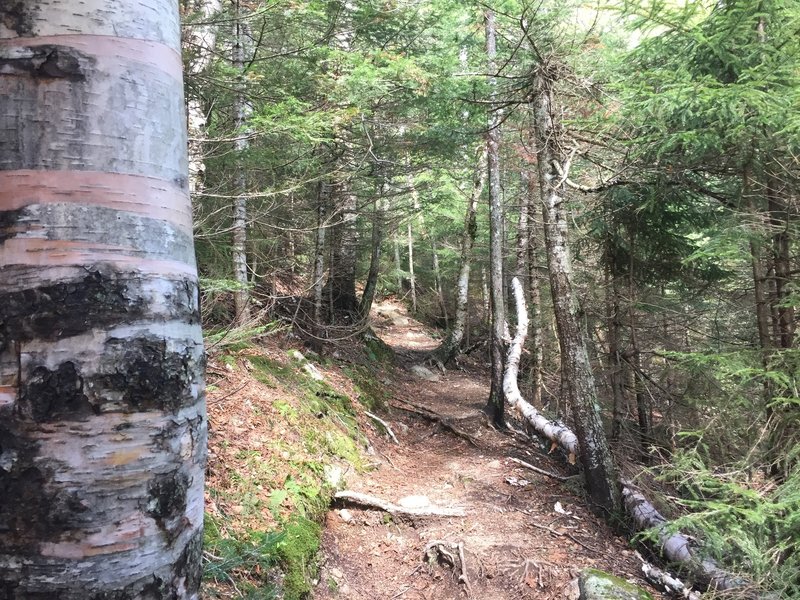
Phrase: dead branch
(384, 424)
(538, 470)
(395, 509)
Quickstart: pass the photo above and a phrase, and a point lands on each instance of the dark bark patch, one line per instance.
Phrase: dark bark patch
(55, 395)
(67, 309)
(47, 62)
(23, 483)
(167, 495)
(19, 18)
(149, 375)
(189, 566)
(9, 220)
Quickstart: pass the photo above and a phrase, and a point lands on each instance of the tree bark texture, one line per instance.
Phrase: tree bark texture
(323, 193)
(577, 378)
(534, 292)
(102, 409)
(495, 404)
(241, 296)
(451, 345)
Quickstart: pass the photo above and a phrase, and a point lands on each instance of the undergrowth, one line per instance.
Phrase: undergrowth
(271, 496)
(746, 521)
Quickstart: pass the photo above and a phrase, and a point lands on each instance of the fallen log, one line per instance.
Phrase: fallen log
(396, 509)
(675, 547)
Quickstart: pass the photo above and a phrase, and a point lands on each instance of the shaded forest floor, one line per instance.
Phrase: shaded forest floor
(525, 535)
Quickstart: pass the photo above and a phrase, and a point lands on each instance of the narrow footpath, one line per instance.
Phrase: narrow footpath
(523, 534)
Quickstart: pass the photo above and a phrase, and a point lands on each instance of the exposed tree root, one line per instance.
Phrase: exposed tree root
(435, 418)
(529, 572)
(396, 509)
(452, 554)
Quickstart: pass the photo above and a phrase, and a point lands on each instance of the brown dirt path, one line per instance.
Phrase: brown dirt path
(516, 542)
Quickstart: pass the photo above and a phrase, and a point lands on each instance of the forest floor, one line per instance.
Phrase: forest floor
(524, 535)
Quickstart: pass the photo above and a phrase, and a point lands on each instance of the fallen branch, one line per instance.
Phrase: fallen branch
(446, 551)
(538, 470)
(384, 424)
(396, 509)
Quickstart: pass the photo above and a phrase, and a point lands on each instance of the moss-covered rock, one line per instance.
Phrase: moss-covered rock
(599, 585)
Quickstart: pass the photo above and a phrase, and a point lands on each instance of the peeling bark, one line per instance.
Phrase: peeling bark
(102, 412)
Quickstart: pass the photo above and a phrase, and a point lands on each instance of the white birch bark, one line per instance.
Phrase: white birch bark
(102, 412)
(243, 110)
(201, 41)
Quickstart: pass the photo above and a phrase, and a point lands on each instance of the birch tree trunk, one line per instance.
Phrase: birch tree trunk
(495, 404)
(577, 378)
(102, 409)
(241, 296)
(412, 279)
(201, 42)
(452, 343)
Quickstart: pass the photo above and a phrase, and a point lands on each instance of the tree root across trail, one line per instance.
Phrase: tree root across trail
(524, 533)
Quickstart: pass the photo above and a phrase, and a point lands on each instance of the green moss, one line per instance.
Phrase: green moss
(599, 585)
(245, 557)
(297, 551)
(270, 372)
(377, 350)
(371, 392)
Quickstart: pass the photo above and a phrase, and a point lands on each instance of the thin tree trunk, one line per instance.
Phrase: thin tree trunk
(495, 405)
(323, 192)
(615, 366)
(577, 377)
(535, 295)
(412, 279)
(449, 349)
(643, 409)
(241, 296)
(102, 408)
(201, 42)
(371, 286)
(398, 265)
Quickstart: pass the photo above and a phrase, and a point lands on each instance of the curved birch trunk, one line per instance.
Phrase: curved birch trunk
(102, 412)
(559, 434)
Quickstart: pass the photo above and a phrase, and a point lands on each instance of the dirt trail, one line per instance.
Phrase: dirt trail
(517, 542)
